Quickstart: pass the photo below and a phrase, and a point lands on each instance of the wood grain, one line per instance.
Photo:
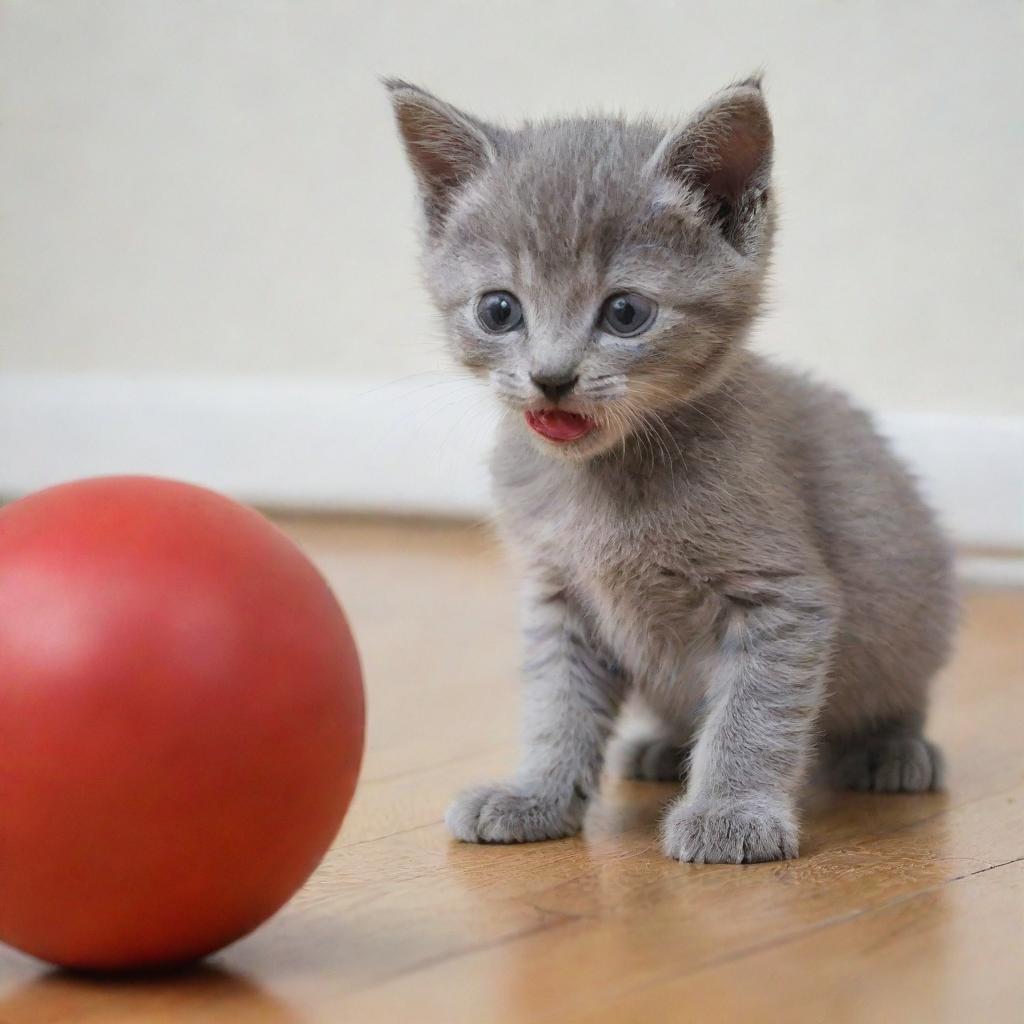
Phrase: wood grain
(900, 907)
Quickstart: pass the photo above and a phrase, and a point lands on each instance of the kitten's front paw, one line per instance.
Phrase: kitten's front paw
(513, 814)
(729, 833)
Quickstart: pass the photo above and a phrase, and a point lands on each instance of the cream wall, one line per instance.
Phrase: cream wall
(214, 188)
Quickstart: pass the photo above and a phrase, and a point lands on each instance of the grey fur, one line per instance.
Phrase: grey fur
(734, 545)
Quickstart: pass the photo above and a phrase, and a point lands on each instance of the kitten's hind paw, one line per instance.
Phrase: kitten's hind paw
(512, 813)
(652, 760)
(709, 833)
(890, 763)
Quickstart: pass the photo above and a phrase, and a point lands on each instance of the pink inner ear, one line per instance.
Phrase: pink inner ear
(443, 152)
(725, 147)
(735, 159)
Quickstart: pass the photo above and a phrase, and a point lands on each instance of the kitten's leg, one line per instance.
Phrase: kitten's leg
(894, 758)
(754, 744)
(571, 699)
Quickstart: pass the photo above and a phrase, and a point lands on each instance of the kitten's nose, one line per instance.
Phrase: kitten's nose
(553, 387)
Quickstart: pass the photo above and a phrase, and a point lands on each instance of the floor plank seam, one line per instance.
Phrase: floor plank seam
(803, 933)
(389, 835)
(555, 920)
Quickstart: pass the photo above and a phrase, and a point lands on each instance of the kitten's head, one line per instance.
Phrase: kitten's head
(599, 272)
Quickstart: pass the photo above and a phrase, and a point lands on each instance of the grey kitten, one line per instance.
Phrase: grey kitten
(730, 543)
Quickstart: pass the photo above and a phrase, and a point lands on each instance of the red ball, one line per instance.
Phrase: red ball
(181, 722)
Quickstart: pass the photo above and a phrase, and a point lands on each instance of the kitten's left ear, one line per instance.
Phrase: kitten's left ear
(724, 150)
(446, 147)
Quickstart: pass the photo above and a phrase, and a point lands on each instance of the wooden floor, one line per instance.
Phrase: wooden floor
(900, 908)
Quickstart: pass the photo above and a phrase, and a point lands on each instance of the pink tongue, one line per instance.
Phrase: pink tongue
(557, 425)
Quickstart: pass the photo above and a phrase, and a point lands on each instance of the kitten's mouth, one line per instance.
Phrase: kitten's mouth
(558, 425)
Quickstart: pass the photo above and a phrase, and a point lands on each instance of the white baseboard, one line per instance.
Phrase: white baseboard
(411, 447)
(991, 570)
(415, 446)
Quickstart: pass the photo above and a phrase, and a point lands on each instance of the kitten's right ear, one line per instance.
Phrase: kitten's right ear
(446, 147)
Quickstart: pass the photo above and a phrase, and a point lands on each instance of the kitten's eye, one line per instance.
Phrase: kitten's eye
(627, 314)
(499, 312)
